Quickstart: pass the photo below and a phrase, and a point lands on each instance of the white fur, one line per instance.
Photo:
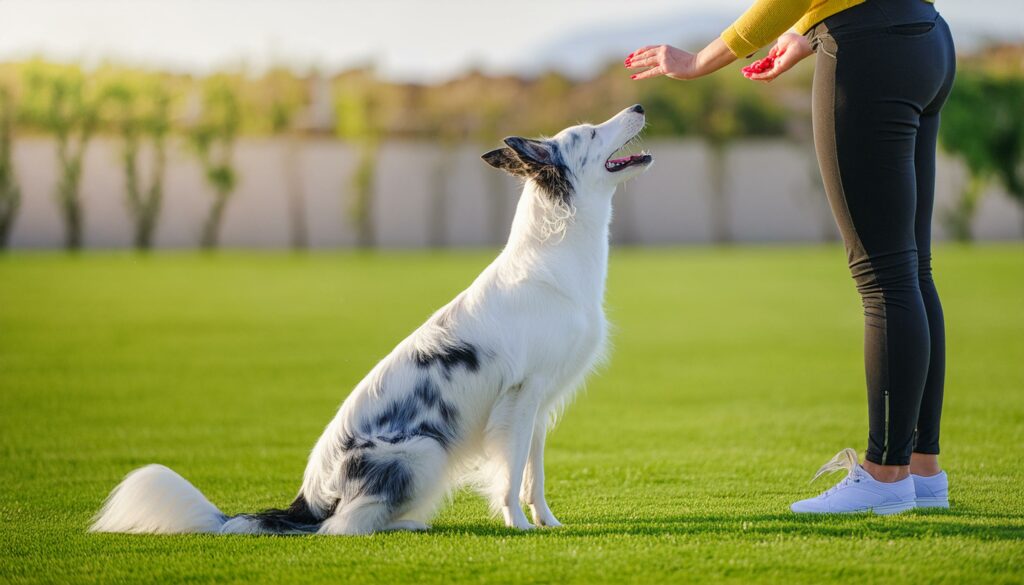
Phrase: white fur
(535, 317)
(155, 500)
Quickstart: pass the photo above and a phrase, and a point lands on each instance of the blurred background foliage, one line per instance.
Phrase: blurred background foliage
(144, 109)
(983, 123)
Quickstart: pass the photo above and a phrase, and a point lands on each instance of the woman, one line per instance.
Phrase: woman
(883, 71)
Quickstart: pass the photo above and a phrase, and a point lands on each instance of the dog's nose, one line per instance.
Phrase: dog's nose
(637, 108)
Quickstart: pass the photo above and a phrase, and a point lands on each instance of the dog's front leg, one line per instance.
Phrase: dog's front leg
(511, 432)
(533, 488)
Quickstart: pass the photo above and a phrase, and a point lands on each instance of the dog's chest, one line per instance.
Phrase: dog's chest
(571, 340)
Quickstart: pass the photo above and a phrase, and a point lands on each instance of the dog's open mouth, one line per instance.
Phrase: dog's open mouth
(614, 165)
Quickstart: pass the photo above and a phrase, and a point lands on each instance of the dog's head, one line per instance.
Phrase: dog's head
(578, 161)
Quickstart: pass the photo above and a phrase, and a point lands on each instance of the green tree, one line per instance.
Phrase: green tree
(284, 96)
(139, 106)
(450, 112)
(63, 101)
(10, 194)
(983, 124)
(359, 120)
(488, 134)
(213, 140)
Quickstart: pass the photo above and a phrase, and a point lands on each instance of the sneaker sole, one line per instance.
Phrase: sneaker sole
(894, 508)
(932, 502)
(880, 510)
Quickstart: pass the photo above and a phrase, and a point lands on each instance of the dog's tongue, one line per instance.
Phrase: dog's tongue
(624, 159)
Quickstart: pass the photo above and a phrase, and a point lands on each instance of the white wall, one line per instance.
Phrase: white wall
(773, 190)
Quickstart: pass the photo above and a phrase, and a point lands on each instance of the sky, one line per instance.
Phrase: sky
(417, 40)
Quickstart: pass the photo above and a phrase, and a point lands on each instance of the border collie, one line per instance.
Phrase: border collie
(469, 397)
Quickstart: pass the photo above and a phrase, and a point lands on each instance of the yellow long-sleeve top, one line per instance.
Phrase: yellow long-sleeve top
(766, 20)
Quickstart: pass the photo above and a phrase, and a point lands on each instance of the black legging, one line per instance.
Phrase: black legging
(884, 69)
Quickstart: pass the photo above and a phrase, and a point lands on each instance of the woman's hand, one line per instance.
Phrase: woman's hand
(677, 63)
(663, 60)
(789, 50)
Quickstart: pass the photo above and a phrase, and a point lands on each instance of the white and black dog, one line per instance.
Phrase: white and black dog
(470, 395)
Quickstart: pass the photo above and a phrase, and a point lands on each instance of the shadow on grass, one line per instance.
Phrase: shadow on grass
(917, 524)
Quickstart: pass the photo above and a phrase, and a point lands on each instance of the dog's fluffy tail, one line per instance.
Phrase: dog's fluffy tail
(156, 500)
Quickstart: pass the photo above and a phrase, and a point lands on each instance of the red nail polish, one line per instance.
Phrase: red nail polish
(632, 76)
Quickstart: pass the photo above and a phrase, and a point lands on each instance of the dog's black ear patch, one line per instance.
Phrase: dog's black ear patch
(506, 160)
(533, 153)
(521, 157)
(533, 159)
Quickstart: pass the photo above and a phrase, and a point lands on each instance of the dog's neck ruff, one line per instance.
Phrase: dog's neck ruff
(567, 252)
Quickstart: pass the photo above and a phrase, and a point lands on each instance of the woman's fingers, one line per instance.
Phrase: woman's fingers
(640, 51)
(647, 52)
(643, 62)
(652, 72)
(661, 60)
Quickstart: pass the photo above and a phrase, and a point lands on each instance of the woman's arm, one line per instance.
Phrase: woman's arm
(679, 64)
(759, 25)
(762, 23)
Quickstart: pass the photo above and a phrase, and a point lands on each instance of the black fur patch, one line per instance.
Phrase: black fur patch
(555, 179)
(398, 416)
(427, 393)
(445, 436)
(449, 414)
(450, 357)
(534, 159)
(350, 442)
(297, 518)
(390, 480)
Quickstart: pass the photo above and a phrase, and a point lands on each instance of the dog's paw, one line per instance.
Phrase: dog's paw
(542, 516)
(514, 518)
(549, 522)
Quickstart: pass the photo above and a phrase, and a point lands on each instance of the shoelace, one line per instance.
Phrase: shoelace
(846, 459)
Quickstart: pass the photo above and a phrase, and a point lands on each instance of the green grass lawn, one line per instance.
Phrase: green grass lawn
(735, 374)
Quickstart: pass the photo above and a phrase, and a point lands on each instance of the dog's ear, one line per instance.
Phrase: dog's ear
(506, 160)
(522, 157)
(533, 153)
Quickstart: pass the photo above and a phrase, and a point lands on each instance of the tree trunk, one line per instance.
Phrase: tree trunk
(211, 228)
(144, 207)
(959, 218)
(145, 226)
(361, 205)
(10, 200)
(499, 197)
(721, 225)
(296, 195)
(438, 222)
(69, 202)
(10, 195)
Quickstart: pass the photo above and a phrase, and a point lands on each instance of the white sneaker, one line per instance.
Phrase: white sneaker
(932, 491)
(858, 492)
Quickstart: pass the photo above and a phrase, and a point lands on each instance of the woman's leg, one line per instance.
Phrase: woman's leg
(927, 440)
(866, 116)
(924, 460)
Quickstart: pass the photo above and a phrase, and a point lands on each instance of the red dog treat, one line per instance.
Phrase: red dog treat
(760, 66)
